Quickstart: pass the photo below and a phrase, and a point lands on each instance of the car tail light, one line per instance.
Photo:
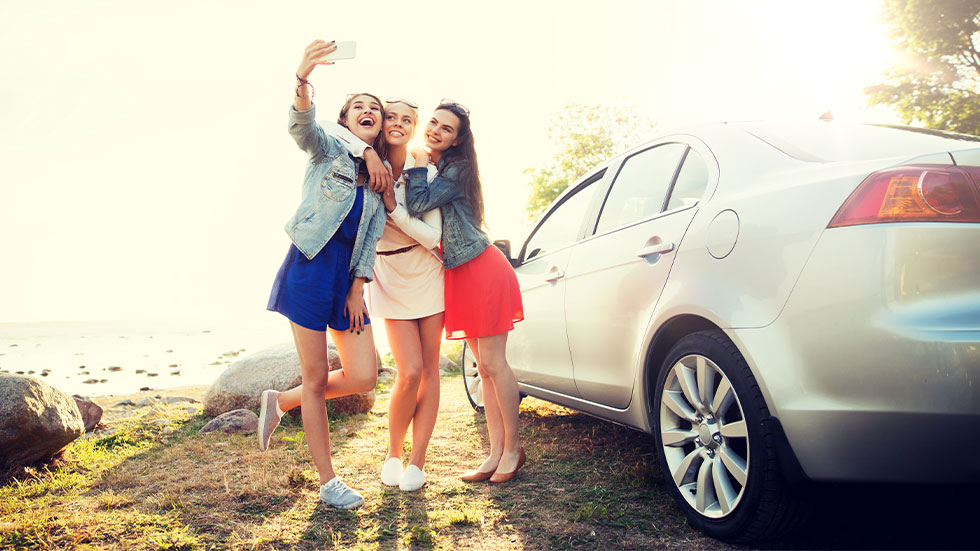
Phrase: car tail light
(921, 193)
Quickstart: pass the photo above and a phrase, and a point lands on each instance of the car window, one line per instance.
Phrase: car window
(563, 222)
(691, 181)
(641, 186)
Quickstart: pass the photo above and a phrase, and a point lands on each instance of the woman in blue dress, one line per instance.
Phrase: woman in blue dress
(319, 287)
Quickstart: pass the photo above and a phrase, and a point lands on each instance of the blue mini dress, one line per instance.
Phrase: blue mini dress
(313, 293)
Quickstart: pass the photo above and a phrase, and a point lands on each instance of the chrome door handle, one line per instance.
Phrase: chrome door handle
(554, 275)
(659, 248)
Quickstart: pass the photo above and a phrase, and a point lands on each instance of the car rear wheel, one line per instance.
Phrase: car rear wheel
(715, 448)
(471, 379)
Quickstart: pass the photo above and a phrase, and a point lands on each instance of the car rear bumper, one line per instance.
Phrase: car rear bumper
(873, 367)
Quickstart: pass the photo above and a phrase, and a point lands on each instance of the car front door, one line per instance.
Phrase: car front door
(537, 348)
(614, 277)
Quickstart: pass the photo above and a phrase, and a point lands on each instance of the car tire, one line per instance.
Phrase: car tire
(715, 444)
(472, 382)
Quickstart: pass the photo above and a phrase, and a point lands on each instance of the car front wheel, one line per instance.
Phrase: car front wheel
(715, 449)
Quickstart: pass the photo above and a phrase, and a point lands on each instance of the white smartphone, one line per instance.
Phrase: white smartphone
(345, 50)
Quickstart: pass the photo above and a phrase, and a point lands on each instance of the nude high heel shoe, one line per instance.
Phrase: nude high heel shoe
(497, 478)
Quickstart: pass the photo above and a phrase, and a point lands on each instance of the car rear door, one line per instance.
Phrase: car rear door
(614, 278)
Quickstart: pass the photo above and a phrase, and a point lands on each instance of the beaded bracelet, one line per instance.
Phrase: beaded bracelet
(303, 81)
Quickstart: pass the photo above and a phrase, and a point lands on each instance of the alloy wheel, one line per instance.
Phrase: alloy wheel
(704, 436)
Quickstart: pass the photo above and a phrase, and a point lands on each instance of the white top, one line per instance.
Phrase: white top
(406, 285)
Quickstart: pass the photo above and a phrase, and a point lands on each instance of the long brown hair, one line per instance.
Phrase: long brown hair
(463, 154)
(379, 145)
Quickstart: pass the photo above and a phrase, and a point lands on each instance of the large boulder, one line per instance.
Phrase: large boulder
(277, 367)
(36, 421)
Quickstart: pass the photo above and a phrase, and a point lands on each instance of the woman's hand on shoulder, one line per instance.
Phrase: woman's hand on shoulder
(378, 172)
(421, 156)
(315, 54)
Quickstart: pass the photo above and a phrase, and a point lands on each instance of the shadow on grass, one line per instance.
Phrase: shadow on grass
(589, 484)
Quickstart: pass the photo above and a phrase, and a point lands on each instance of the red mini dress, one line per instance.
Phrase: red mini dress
(482, 296)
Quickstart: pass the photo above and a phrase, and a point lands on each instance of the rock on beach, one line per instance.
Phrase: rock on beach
(276, 367)
(36, 421)
(239, 420)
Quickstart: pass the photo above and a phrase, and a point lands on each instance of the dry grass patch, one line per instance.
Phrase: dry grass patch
(587, 485)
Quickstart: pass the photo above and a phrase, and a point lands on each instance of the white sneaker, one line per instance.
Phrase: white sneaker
(268, 417)
(412, 479)
(391, 473)
(337, 494)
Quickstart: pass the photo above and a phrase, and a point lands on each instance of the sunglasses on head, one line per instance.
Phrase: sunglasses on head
(407, 102)
(455, 107)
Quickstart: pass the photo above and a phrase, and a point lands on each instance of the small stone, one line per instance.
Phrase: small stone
(238, 420)
(84, 373)
(90, 381)
(145, 401)
(174, 365)
(175, 372)
(43, 374)
(126, 403)
(167, 430)
(104, 380)
(160, 422)
(144, 388)
(31, 372)
(19, 372)
(115, 368)
(192, 410)
(81, 367)
(152, 374)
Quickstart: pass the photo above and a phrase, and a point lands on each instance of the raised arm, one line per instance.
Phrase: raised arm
(302, 124)
(426, 230)
(378, 171)
(422, 195)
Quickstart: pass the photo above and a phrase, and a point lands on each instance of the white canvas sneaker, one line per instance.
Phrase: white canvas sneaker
(412, 479)
(391, 472)
(268, 417)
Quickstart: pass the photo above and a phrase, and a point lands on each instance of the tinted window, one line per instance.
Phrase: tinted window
(691, 182)
(641, 186)
(563, 223)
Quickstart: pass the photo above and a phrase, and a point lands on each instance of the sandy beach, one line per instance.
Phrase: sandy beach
(103, 358)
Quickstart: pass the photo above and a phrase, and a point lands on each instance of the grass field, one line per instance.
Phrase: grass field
(156, 483)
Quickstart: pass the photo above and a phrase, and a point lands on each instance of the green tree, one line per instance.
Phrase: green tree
(940, 86)
(586, 135)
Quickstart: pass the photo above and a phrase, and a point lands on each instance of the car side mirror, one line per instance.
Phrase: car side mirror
(504, 246)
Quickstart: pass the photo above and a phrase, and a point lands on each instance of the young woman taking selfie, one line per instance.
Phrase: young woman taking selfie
(320, 284)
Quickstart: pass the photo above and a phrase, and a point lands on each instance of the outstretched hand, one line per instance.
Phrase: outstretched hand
(315, 54)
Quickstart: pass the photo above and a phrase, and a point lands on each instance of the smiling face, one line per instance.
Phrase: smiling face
(442, 131)
(399, 125)
(363, 117)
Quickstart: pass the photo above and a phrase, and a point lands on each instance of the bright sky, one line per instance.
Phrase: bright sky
(145, 168)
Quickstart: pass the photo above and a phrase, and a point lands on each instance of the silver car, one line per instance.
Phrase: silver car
(774, 303)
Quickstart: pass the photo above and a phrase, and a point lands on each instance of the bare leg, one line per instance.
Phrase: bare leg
(343, 382)
(491, 411)
(357, 355)
(406, 347)
(506, 399)
(427, 408)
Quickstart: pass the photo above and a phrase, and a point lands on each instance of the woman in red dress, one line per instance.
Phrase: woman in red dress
(482, 297)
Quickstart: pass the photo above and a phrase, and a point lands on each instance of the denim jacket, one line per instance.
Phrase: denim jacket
(328, 195)
(462, 239)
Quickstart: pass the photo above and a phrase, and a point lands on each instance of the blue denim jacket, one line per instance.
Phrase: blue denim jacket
(462, 239)
(328, 195)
